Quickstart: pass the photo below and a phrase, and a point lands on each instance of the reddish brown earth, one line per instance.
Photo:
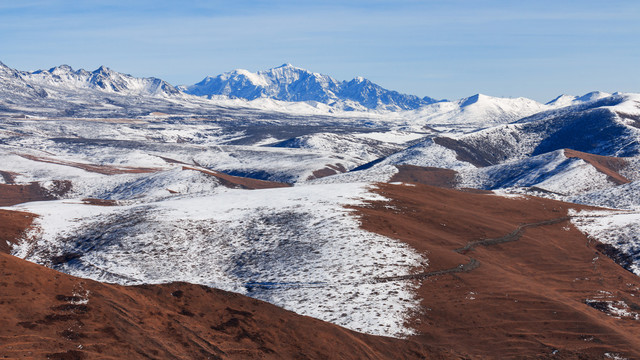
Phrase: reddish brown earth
(526, 297)
(11, 194)
(607, 165)
(44, 314)
(13, 224)
(237, 181)
(100, 169)
(328, 170)
(425, 175)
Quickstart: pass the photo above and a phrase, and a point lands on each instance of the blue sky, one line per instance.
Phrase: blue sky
(440, 48)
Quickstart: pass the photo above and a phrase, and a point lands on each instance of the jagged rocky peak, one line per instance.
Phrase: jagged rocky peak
(103, 70)
(4, 69)
(64, 69)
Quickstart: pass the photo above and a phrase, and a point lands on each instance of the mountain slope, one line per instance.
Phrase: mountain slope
(600, 128)
(565, 172)
(479, 110)
(47, 314)
(510, 278)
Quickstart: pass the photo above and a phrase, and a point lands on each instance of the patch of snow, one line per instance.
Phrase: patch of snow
(619, 229)
(298, 248)
(396, 137)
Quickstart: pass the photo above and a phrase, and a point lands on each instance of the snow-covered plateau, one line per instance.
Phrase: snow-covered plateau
(244, 181)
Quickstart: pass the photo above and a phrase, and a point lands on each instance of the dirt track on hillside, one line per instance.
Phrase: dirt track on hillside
(520, 299)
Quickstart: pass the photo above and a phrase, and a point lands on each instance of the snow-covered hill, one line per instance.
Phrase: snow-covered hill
(478, 110)
(285, 246)
(604, 127)
(551, 172)
(290, 83)
(570, 100)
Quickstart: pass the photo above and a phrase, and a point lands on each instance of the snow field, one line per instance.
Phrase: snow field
(298, 248)
(619, 229)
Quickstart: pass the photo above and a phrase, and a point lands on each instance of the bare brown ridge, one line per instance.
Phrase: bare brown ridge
(8, 177)
(237, 181)
(526, 296)
(12, 194)
(425, 175)
(607, 165)
(100, 169)
(13, 226)
(328, 170)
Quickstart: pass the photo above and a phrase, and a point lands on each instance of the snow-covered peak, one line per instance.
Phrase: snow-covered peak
(473, 99)
(62, 69)
(4, 69)
(103, 70)
(561, 100)
(287, 66)
(592, 96)
(509, 109)
(252, 77)
(570, 100)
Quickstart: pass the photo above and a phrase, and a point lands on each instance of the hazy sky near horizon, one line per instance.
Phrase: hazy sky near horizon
(439, 48)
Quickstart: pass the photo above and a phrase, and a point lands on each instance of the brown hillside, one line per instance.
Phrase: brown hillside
(231, 181)
(607, 165)
(45, 314)
(525, 277)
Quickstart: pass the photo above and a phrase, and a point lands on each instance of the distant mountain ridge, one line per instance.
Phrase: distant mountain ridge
(290, 83)
(64, 91)
(103, 79)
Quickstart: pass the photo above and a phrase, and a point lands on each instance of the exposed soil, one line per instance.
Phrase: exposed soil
(517, 285)
(328, 170)
(46, 314)
(100, 169)
(468, 153)
(237, 181)
(100, 202)
(12, 226)
(605, 164)
(8, 176)
(15, 194)
(425, 175)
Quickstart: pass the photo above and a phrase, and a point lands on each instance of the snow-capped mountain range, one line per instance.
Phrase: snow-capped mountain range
(290, 83)
(62, 90)
(101, 79)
